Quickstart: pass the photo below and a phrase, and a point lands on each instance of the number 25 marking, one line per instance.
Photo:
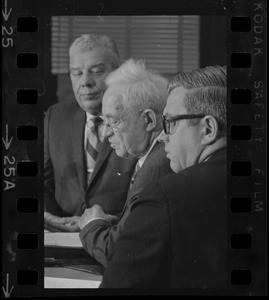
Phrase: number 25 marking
(6, 42)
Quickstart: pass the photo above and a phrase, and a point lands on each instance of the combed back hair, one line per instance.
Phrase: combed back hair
(210, 100)
(139, 88)
(206, 93)
(90, 41)
(208, 76)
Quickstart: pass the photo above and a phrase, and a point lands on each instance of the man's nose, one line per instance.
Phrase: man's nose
(163, 137)
(107, 131)
(87, 80)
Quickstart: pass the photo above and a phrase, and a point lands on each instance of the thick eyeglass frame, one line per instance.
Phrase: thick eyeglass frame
(167, 121)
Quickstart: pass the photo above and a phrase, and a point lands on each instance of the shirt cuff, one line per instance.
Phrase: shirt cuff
(92, 220)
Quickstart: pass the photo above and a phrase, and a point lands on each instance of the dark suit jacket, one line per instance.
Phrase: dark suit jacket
(99, 237)
(65, 176)
(176, 233)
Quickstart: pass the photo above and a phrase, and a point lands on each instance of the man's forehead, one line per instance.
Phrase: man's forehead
(110, 100)
(96, 56)
(175, 101)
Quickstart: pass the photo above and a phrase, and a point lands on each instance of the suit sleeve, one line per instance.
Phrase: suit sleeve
(141, 257)
(99, 237)
(49, 184)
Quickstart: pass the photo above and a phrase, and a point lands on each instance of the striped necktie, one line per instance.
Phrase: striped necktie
(93, 144)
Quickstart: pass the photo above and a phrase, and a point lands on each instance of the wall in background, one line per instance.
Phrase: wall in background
(168, 43)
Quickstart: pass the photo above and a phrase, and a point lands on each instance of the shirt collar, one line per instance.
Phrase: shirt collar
(143, 158)
(89, 117)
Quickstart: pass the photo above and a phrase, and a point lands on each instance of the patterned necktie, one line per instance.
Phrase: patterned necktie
(137, 168)
(93, 144)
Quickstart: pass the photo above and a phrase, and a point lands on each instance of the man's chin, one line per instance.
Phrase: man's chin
(120, 153)
(175, 167)
(92, 108)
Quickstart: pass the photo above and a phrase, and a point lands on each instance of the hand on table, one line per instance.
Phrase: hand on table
(56, 224)
(95, 212)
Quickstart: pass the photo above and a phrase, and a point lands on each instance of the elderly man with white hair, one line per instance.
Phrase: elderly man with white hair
(132, 108)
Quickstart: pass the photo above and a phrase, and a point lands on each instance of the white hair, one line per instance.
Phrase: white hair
(87, 42)
(138, 88)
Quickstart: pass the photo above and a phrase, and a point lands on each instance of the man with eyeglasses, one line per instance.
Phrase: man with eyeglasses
(80, 167)
(176, 233)
(132, 108)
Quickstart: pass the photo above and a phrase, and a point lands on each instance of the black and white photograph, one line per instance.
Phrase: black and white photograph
(134, 148)
(111, 120)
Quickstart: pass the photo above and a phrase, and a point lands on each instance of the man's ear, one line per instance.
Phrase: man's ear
(210, 130)
(150, 119)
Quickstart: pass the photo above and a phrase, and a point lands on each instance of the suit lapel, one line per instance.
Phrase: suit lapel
(142, 176)
(104, 152)
(139, 183)
(78, 146)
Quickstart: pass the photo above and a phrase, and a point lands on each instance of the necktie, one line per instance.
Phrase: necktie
(137, 168)
(93, 144)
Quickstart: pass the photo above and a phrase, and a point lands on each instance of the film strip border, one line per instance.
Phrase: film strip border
(247, 149)
(22, 125)
(22, 155)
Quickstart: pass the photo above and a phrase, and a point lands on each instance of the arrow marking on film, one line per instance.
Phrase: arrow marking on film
(6, 141)
(6, 12)
(6, 291)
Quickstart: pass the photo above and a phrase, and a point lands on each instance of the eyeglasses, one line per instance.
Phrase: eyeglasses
(169, 124)
(113, 124)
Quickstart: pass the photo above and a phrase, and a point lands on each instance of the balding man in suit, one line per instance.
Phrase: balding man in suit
(80, 167)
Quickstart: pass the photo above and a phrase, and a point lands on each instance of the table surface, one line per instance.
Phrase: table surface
(74, 268)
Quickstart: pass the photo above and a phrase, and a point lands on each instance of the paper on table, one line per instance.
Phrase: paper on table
(68, 278)
(64, 283)
(62, 239)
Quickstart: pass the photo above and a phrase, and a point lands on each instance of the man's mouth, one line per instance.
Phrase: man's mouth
(90, 96)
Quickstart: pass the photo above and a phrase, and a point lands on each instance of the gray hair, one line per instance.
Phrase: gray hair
(210, 100)
(208, 76)
(87, 42)
(139, 88)
(206, 93)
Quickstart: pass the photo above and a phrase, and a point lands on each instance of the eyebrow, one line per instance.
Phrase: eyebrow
(110, 116)
(75, 69)
(91, 67)
(97, 65)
